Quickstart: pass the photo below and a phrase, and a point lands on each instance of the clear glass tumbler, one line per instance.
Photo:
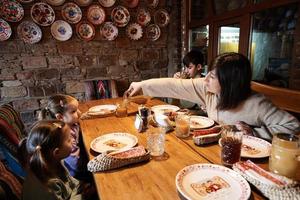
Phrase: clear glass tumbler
(156, 141)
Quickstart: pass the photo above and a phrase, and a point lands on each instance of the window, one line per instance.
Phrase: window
(229, 38)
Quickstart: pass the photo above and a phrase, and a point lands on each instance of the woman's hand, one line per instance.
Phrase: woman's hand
(177, 75)
(245, 128)
(134, 89)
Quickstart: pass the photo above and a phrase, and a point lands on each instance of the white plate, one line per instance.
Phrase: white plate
(199, 122)
(164, 108)
(234, 186)
(106, 142)
(254, 147)
(102, 109)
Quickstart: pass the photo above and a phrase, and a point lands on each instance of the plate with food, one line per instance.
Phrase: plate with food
(164, 109)
(210, 181)
(113, 142)
(199, 122)
(102, 109)
(254, 147)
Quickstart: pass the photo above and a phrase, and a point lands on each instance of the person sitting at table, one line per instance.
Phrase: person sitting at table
(227, 96)
(193, 64)
(65, 108)
(47, 144)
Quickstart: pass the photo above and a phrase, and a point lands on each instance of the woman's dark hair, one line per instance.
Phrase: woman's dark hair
(57, 104)
(195, 57)
(233, 71)
(43, 138)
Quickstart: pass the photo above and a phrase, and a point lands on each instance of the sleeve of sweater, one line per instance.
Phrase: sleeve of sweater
(188, 89)
(275, 120)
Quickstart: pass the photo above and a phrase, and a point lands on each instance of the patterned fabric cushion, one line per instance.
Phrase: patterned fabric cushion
(100, 89)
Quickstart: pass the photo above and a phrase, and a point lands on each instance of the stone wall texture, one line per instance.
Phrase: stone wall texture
(32, 72)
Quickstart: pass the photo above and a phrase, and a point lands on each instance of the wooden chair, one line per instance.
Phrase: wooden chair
(283, 98)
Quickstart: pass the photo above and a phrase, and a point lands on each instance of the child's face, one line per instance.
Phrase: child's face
(72, 115)
(193, 70)
(66, 147)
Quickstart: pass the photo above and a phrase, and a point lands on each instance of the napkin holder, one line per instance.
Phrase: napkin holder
(108, 161)
(289, 189)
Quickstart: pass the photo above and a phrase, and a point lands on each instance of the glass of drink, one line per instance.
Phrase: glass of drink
(156, 141)
(182, 123)
(121, 110)
(285, 155)
(231, 142)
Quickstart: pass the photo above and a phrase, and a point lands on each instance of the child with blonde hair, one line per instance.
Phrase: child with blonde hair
(48, 143)
(65, 108)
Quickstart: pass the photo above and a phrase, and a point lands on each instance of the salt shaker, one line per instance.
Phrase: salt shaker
(144, 113)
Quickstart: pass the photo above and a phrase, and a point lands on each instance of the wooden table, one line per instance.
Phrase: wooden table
(152, 180)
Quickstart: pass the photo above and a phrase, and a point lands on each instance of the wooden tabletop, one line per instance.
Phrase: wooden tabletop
(154, 179)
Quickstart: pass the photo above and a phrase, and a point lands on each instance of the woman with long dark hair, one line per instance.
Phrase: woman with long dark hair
(226, 94)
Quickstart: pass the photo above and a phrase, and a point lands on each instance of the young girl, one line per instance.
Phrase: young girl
(65, 108)
(48, 143)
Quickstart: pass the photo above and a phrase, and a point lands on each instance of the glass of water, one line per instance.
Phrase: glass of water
(156, 141)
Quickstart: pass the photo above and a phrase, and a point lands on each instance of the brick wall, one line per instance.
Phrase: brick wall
(294, 82)
(31, 73)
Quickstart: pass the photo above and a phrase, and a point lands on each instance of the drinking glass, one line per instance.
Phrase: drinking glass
(231, 145)
(182, 123)
(121, 110)
(156, 141)
(285, 155)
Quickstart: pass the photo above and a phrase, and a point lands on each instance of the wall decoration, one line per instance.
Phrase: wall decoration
(161, 18)
(26, 1)
(96, 14)
(83, 2)
(120, 16)
(143, 17)
(153, 32)
(42, 14)
(152, 3)
(61, 30)
(109, 31)
(134, 31)
(107, 3)
(85, 31)
(5, 30)
(12, 11)
(71, 13)
(55, 2)
(29, 32)
(130, 3)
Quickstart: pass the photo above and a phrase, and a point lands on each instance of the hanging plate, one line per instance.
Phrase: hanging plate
(96, 14)
(131, 3)
(107, 3)
(55, 2)
(61, 30)
(161, 18)
(71, 13)
(143, 16)
(109, 31)
(120, 16)
(83, 2)
(29, 32)
(5, 30)
(85, 30)
(42, 14)
(134, 31)
(153, 32)
(152, 3)
(11, 11)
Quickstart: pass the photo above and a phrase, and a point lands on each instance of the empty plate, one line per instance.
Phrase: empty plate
(199, 122)
(102, 109)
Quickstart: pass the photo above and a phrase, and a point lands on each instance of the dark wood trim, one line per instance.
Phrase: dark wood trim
(249, 8)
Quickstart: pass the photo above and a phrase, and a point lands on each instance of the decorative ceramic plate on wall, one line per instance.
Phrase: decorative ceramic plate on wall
(120, 16)
(161, 18)
(61, 30)
(85, 30)
(134, 31)
(42, 14)
(107, 3)
(5, 30)
(29, 32)
(109, 31)
(11, 11)
(55, 2)
(71, 13)
(152, 3)
(26, 1)
(153, 32)
(143, 16)
(131, 3)
(96, 14)
(83, 2)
